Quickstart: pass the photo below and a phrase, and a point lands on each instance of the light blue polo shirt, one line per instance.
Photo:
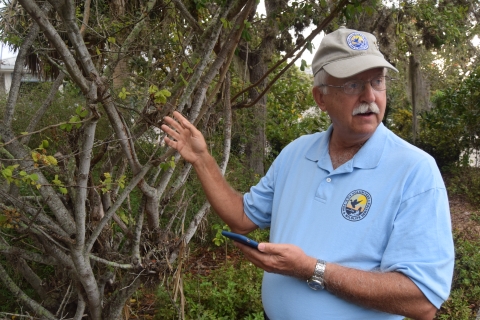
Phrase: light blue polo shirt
(384, 210)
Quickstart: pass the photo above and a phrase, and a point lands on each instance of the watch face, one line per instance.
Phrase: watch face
(315, 285)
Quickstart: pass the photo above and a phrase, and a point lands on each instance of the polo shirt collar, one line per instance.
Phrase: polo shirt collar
(367, 157)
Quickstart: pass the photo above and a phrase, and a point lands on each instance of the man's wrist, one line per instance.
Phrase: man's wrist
(317, 281)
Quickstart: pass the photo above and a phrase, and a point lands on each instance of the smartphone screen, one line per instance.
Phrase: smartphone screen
(241, 238)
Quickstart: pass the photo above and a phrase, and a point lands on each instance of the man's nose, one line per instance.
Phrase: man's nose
(368, 93)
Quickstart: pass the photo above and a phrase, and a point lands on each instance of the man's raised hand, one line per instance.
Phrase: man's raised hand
(185, 138)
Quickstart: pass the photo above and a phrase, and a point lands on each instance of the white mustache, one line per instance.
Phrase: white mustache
(366, 107)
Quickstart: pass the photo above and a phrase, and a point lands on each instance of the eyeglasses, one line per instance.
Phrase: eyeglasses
(357, 86)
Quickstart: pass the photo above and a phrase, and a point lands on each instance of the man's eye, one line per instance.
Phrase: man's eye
(378, 81)
(353, 85)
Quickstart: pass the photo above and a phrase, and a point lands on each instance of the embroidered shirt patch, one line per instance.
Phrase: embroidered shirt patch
(356, 205)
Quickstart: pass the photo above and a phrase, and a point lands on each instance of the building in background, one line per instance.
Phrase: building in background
(6, 73)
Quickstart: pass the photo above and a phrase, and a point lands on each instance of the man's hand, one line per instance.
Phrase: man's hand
(185, 138)
(286, 259)
(390, 292)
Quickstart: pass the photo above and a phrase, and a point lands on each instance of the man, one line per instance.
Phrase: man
(355, 213)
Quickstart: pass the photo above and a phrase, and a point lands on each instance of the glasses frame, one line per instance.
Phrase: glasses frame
(387, 78)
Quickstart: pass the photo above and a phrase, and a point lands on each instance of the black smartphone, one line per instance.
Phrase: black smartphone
(241, 238)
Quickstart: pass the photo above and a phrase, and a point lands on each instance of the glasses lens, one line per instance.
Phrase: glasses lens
(379, 83)
(353, 87)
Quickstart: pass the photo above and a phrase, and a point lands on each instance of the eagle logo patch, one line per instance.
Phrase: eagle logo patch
(356, 205)
(357, 41)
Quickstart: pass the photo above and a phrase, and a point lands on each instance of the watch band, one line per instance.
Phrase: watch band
(317, 282)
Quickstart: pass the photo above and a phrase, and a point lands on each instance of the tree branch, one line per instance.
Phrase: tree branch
(17, 74)
(108, 215)
(20, 295)
(301, 44)
(54, 202)
(184, 11)
(220, 60)
(52, 35)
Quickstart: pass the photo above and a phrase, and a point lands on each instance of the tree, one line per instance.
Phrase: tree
(429, 42)
(93, 192)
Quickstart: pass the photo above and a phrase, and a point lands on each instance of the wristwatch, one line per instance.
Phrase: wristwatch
(316, 282)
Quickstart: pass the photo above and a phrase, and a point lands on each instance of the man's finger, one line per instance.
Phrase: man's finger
(184, 123)
(174, 124)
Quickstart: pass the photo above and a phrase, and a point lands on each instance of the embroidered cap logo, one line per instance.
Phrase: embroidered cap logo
(357, 41)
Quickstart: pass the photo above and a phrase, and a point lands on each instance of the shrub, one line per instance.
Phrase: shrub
(465, 295)
(453, 126)
(231, 292)
(465, 181)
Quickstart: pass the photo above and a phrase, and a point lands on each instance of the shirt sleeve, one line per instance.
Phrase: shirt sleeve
(421, 243)
(258, 202)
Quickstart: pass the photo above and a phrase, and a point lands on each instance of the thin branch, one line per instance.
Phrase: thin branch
(108, 215)
(225, 54)
(86, 16)
(210, 39)
(111, 263)
(41, 111)
(52, 35)
(28, 255)
(186, 14)
(64, 300)
(43, 129)
(20, 295)
(17, 73)
(301, 44)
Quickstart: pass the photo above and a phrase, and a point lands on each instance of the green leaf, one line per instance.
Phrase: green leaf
(152, 89)
(309, 46)
(111, 40)
(7, 172)
(246, 35)
(303, 65)
(165, 92)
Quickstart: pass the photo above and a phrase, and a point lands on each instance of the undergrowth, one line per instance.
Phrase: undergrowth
(231, 292)
(464, 301)
(465, 181)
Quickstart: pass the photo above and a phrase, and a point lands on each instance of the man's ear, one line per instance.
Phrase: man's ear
(319, 96)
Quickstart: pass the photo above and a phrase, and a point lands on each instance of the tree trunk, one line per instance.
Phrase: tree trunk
(258, 62)
(255, 148)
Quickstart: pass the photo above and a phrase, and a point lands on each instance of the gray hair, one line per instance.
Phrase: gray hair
(321, 78)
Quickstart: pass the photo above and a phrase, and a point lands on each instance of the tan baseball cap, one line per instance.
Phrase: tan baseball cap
(346, 52)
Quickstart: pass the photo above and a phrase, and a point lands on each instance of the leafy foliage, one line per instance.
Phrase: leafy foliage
(292, 112)
(453, 126)
(230, 292)
(465, 289)
(465, 181)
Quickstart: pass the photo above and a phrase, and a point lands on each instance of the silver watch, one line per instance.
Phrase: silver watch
(316, 282)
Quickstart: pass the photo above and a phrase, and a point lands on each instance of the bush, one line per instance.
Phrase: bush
(453, 126)
(465, 296)
(465, 181)
(231, 292)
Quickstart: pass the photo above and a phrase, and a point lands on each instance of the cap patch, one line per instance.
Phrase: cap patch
(357, 41)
